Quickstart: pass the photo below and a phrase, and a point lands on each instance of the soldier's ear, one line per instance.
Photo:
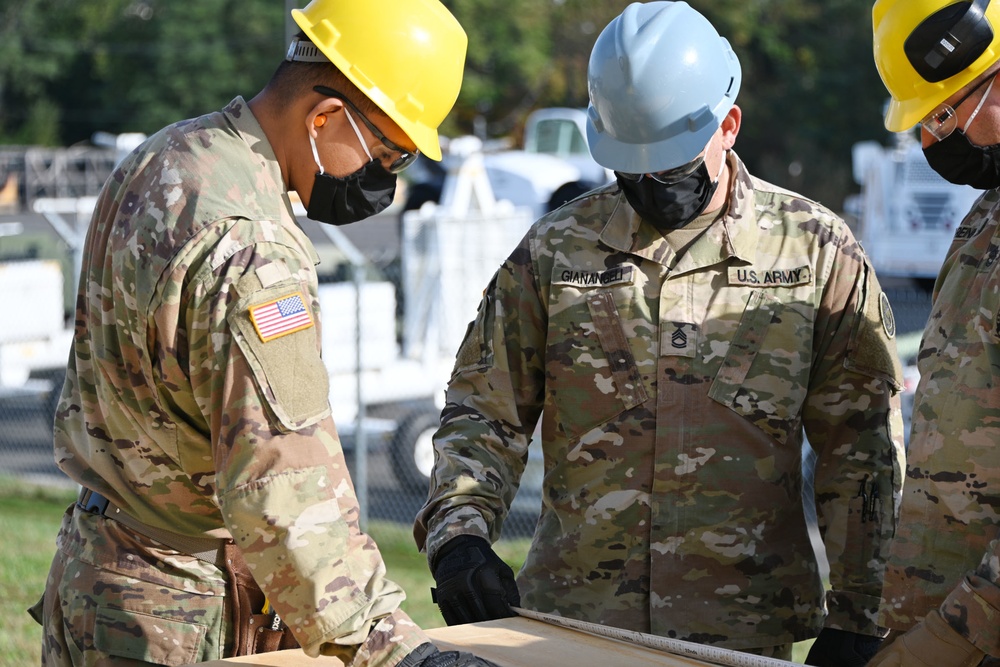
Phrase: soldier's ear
(320, 115)
(731, 126)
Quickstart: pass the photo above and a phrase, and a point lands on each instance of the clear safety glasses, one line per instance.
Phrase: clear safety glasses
(405, 159)
(944, 120)
(670, 176)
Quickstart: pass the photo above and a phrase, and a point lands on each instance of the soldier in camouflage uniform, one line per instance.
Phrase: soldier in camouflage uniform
(195, 412)
(939, 60)
(674, 332)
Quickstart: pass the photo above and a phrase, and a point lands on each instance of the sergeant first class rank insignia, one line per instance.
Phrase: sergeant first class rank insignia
(281, 317)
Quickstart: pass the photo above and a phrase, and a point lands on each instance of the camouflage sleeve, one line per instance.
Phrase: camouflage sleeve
(282, 485)
(973, 607)
(493, 402)
(853, 421)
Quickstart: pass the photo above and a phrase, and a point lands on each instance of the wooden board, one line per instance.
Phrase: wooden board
(523, 642)
(510, 642)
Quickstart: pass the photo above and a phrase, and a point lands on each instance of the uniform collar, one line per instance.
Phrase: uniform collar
(273, 200)
(734, 235)
(270, 182)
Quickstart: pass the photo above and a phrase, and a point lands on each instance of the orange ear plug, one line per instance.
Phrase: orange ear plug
(319, 121)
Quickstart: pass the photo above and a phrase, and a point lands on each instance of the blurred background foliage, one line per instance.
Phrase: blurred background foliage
(69, 68)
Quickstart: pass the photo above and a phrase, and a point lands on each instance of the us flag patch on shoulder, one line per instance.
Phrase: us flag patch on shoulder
(281, 317)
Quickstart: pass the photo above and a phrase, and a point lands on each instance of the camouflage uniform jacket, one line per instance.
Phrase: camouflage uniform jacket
(951, 504)
(672, 393)
(195, 410)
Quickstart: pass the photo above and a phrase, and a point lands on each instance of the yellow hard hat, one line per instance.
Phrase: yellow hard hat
(927, 50)
(407, 56)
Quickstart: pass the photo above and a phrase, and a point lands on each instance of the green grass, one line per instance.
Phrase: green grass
(30, 518)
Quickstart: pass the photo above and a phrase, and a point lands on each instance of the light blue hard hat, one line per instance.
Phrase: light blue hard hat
(661, 80)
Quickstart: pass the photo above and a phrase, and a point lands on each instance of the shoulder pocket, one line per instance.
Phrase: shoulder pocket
(764, 376)
(476, 350)
(591, 371)
(872, 351)
(613, 340)
(276, 330)
(744, 347)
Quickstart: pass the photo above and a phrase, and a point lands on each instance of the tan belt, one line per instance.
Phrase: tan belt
(208, 549)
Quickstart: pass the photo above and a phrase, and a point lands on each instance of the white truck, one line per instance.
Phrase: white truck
(562, 132)
(34, 337)
(907, 214)
(553, 166)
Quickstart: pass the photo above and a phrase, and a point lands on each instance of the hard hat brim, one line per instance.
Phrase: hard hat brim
(900, 117)
(427, 141)
(645, 158)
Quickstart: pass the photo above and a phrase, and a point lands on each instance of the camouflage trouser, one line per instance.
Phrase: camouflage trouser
(116, 598)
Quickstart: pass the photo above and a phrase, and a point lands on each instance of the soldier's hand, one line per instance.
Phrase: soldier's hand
(427, 655)
(930, 643)
(839, 648)
(473, 583)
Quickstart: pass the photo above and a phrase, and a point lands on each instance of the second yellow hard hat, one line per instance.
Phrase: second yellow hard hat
(407, 56)
(927, 50)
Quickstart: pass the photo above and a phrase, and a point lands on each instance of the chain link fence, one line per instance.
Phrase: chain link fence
(415, 307)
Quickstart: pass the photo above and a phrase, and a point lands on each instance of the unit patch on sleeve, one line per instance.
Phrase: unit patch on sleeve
(885, 310)
(772, 277)
(281, 317)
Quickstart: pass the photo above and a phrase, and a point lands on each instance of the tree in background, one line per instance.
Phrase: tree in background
(526, 54)
(810, 86)
(69, 68)
(810, 89)
(34, 53)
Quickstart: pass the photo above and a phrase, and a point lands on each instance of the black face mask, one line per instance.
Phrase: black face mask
(341, 201)
(670, 206)
(359, 195)
(961, 162)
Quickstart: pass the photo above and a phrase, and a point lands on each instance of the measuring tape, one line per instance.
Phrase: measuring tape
(720, 656)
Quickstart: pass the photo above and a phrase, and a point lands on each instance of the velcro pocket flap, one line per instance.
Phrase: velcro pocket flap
(288, 368)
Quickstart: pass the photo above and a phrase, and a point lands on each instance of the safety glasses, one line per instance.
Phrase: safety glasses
(670, 176)
(944, 119)
(405, 159)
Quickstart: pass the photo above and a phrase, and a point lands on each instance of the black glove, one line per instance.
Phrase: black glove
(427, 655)
(473, 583)
(839, 648)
